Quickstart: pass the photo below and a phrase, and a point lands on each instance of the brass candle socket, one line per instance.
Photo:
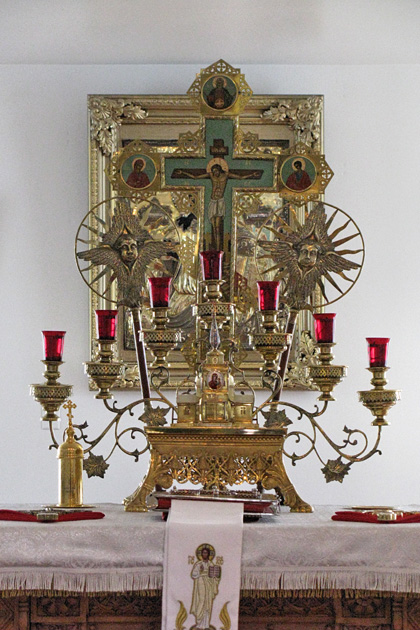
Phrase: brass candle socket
(159, 340)
(325, 375)
(379, 400)
(221, 311)
(104, 372)
(51, 394)
(212, 290)
(270, 320)
(271, 345)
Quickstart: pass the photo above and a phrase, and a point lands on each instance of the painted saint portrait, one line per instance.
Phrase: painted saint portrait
(298, 173)
(138, 171)
(215, 380)
(206, 576)
(220, 92)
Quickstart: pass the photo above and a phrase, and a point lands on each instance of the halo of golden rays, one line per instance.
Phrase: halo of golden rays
(94, 227)
(335, 237)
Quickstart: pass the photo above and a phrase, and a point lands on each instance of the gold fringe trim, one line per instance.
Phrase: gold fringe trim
(52, 593)
(323, 594)
(257, 594)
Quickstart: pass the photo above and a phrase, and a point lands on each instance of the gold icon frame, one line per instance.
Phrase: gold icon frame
(274, 124)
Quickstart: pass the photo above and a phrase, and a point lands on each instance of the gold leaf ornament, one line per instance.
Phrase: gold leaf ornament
(181, 617)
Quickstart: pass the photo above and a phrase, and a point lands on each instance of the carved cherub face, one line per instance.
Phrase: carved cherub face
(128, 250)
(308, 255)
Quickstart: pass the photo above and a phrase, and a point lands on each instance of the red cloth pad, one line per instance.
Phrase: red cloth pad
(15, 515)
(364, 517)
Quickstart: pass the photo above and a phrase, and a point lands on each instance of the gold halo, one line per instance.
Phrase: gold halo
(138, 159)
(301, 160)
(209, 547)
(219, 76)
(220, 162)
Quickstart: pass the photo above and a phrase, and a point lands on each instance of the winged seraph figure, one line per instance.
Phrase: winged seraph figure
(126, 252)
(306, 255)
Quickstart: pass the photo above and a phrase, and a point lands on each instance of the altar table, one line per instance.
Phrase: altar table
(298, 571)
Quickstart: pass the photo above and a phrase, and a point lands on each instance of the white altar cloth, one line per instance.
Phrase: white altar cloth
(124, 552)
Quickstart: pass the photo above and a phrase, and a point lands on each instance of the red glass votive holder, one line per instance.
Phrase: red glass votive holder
(377, 351)
(268, 295)
(324, 327)
(53, 344)
(159, 291)
(106, 324)
(211, 264)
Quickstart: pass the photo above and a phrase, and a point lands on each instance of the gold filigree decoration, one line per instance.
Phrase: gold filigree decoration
(186, 201)
(191, 142)
(247, 203)
(107, 115)
(247, 142)
(304, 116)
(297, 376)
(189, 351)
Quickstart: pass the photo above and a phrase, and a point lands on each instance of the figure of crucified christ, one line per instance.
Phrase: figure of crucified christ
(218, 172)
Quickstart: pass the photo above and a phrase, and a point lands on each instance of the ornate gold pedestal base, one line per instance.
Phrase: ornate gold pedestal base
(216, 458)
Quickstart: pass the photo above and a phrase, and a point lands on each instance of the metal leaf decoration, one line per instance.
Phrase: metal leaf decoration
(95, 466)
(154, 417)
(276, 419)
(335, 470)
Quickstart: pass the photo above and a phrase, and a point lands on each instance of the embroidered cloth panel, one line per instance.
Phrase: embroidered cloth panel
(124, 552)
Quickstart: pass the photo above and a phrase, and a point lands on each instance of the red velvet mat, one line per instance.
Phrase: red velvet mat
(364, 517)
(15, 515)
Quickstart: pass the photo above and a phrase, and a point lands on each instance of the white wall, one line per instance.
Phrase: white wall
(372, 131)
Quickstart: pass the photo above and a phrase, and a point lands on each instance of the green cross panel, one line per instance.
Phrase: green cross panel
(251, 173)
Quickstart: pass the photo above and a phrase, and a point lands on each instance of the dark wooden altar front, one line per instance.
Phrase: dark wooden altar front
(284, 611)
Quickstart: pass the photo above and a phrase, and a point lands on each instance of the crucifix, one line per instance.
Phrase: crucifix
(220, 173)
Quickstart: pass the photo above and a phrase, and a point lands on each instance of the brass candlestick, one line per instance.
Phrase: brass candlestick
(159, 340)
(105, 371)
(325, 375)
(51, 394)
(271, 343)
(379, 400)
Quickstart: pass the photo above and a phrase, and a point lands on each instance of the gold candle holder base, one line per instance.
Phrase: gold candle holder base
(51, 394)
(207, 311)
(271, 345)
(105, 371)
(160, 342)
(325, 375)
(379, 400)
